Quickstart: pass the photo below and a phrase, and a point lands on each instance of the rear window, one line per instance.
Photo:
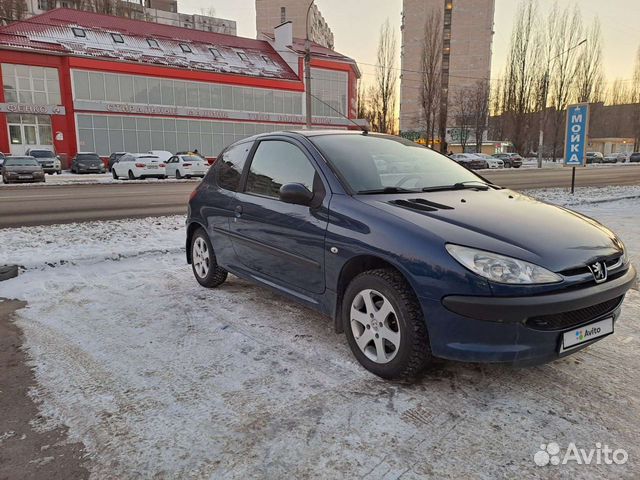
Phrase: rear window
(190, 158)
(88, 157)
(41, 153)
(21, 162)
(231, 164)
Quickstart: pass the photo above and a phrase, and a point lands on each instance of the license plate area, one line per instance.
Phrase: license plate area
(585, 334)
(25, 177)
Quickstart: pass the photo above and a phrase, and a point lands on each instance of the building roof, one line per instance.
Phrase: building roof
(53, 32)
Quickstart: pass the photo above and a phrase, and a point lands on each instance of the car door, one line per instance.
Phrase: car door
(279, 241)
(171, 166)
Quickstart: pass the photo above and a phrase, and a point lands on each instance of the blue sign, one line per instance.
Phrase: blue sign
(575, 143)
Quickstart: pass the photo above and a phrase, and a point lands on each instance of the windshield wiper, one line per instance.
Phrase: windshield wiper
(471, 184)
(386, 190)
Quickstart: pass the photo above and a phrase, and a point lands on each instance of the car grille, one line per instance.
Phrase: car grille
(560, 321)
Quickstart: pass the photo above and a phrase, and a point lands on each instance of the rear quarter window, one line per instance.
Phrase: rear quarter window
(231, 164)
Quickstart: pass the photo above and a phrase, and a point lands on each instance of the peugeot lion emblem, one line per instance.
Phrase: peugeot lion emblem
(599, 271)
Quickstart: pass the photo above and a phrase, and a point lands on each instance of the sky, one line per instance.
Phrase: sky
(356, 25)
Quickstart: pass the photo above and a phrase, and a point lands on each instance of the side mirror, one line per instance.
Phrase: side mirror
(295, 193)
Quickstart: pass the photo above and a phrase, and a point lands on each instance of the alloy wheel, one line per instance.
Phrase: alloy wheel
(375, 326)
(200, 257)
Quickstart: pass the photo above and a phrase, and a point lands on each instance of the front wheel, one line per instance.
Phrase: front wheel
(131, 175)
(385, 326)
(178, 175)
(114, 174)
(203, 261)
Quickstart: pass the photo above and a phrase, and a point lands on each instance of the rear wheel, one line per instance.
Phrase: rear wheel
(178, 174)
(203, 261)
(114, 174)
(385, 326)
(131, 175)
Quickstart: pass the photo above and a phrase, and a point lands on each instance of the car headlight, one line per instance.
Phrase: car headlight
(501, 269)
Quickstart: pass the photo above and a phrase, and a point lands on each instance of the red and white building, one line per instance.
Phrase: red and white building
(81, 81)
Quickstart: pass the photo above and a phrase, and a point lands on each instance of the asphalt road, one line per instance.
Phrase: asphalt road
(43, 205)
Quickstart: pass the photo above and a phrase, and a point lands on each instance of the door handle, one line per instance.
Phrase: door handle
(238, 211)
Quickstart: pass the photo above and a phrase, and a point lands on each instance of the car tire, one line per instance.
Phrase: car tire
(178, 175)
(404, 321)
(49, 173)
(114, 174)
(131, 175)
(203, 261)
(59, 172)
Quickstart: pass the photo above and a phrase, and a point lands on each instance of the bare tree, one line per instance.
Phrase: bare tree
(12, 10)
(386, 78)
(462, 106)
(635, 99)
(589, 77)
(431, 73)
(568, 34)
(619, 92)
(521, 74)
(479, 110)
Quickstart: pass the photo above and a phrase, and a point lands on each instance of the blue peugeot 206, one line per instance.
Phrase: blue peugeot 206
(411, 254)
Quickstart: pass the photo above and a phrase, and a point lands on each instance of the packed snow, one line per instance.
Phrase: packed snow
(67, 178)
(161, 378)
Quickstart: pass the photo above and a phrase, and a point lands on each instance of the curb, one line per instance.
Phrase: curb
(8, 271)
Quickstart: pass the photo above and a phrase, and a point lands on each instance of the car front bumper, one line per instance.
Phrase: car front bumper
(496, 329)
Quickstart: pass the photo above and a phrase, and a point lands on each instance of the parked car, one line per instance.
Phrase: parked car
(139, 166)
(114, 157)
(87, 162)
(470, 160)
(186, 166)
(634, 157)
(408, 273)
(47, 159)
(510, 159)
(491, 161)
(594, 157)
(2, 159)
(22, 169)
(623, 157)
(610, 158)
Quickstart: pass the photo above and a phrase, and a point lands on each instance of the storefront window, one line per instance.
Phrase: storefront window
(15, 133)
(137, 89)
(27, 84)
(105, 134)
(331, 89)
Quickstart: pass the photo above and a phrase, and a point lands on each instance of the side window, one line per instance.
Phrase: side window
(276, 163)
(231, 166)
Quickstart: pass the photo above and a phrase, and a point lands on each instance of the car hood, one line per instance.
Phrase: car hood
(505, 222)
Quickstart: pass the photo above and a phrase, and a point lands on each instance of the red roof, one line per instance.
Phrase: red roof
(52, 31)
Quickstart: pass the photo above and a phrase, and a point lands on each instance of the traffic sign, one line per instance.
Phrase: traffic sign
(575, 143)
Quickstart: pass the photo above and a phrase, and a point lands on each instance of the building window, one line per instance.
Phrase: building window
(330, 87)
(243, 56)
(117, 38)
(185, 48)
(267, 60)
(283, 14)
(138, 89)
(79, 32)
(152, 43)
(104, 134)
(28, 84)
(215, 52)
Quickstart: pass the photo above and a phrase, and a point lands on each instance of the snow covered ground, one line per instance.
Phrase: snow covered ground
(67, 178)
(161, 378)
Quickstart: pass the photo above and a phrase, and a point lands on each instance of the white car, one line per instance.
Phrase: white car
(492, 161)
(163, 155)
(181, 166)
(139, 165)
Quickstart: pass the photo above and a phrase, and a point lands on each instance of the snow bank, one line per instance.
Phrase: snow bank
(90, 179)
(585, 195)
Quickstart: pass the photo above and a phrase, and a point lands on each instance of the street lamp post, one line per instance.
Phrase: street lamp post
(307, 68)
(543, 111)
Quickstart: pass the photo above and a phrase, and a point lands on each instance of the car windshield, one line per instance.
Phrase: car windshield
(370, 163)
(21, 162)
(42, 153)
(89, 156)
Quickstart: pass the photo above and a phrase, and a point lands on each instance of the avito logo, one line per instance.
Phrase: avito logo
(581, 335)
